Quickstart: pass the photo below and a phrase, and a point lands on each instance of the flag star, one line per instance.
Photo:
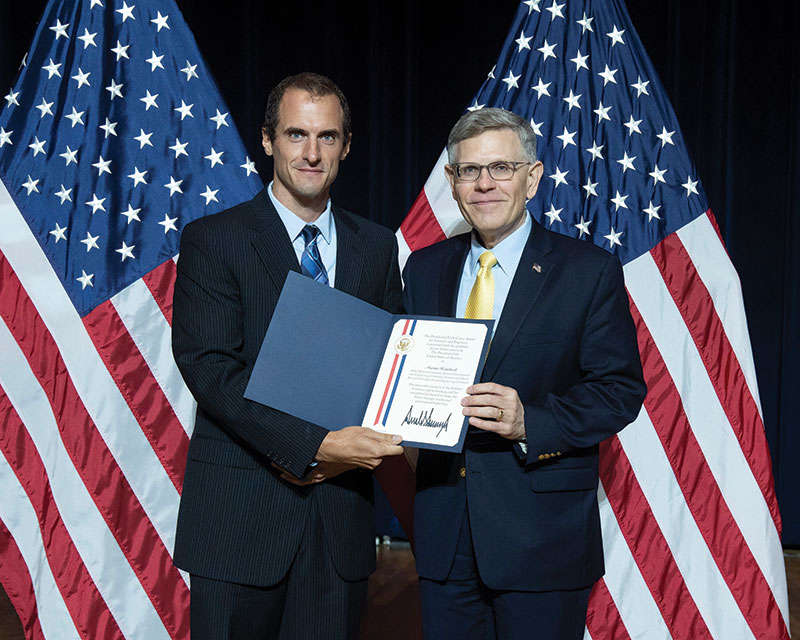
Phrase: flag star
(189, 70)
(185, 110)
(37, 146)
(155, 61)
(567, 138)
(633, 126)
(219, 119)
(640, 86)
(30, 185)
(559, 177)
(64, 194)
(547, 50)
(541, 88)
(590, 187)
(5, 137)
(138, 176)
(596, 151)
(215, 157)
(652, 211)
(59, 233)
(613, 238)
(553, 214)
(533, 5)
(627, 162)
(131, 214)
(126, 11)
(616, 36)
(115, 89)
(69, 156)
(109, 127)
(249, 165)
(25, 60)
(665, 137)
(102, 166)
(45, 108)
(586, 23)
(160, 21)
(580, 61)
(179, 148)
(90, 241)
(475, 106)
(168, 224)
(583, 227)
(555, 10)
(573, 100)
(537, 127)
(210, 195)
(126, 252)
(11, 97)
(149, 101)
(143, 138)
(85, 279)
(174, 186)
(82, 78)
(602, 112)
(120, 50)
(96, 3)
(608, 75)
(52, 69)
(690, 186)
(87, 38)
(522, 42)
(96, 203)
(619, 201)
(511, 80)
(658, 175)
(60, 29)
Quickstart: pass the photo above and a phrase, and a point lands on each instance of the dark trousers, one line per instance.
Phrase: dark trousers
(464, 607)
(312, 600)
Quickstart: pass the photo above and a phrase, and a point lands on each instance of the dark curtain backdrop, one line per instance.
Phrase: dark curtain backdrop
(409, 68)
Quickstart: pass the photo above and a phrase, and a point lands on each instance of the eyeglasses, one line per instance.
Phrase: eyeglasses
(500, 170)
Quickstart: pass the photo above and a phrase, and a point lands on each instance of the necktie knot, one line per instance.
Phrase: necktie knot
(487, 260)
(311, 262)
(309, 233)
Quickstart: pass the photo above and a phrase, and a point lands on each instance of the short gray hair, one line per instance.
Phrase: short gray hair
(474, 123)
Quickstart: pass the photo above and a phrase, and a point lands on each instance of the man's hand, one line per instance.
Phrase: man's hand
(346, 449)
(493, 407)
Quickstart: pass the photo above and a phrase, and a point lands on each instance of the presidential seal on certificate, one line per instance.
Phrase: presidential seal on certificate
(335, 360)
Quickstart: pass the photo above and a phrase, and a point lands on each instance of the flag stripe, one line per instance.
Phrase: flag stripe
(142, 393)
(603, 619)
(420, 227)
(697, 309)
(110, 490)
(648, 545)
(86, 605)
(161, 282)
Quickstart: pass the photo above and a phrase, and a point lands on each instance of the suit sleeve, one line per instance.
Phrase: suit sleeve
(207, 342)
(393, 291)
(611, 387)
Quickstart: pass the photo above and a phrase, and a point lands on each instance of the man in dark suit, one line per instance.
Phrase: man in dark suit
(276, 519)
(508, 533)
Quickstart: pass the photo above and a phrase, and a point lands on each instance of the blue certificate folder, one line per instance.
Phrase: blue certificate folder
(322, 352)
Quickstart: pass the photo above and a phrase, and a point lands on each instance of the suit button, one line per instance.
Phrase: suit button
(541, 456)
(462, 472)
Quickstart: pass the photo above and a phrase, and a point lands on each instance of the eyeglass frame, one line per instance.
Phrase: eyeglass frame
(515, 166)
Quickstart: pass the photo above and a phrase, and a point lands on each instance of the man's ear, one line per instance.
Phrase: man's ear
(450, 174)
(266, 142)
(346, 147)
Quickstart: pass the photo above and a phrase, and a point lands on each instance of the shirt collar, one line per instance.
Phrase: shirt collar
(507, 251)
(294, 224)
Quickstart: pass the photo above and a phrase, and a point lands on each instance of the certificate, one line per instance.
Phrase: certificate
(338, 361)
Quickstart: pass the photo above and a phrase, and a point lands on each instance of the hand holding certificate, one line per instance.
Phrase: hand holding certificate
(334, 360)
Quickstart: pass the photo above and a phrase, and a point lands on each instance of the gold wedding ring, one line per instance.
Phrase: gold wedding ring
(499, 415)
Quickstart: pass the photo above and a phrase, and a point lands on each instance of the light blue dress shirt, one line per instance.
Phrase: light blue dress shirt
(508, 253)
(326, 240)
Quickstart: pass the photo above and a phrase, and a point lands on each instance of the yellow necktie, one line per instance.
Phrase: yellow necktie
(481, 298)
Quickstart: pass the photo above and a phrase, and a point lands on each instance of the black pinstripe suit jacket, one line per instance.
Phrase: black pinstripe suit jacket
(238, 521)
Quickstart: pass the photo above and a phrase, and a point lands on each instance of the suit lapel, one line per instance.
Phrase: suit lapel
(271, 241)
(349, 253)
(526, 286)
(450, 276)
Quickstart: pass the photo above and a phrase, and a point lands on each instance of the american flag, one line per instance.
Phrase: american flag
(691, 526)
(113, 137)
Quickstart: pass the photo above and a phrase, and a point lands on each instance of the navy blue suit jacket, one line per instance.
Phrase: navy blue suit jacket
(238, 521)
(567, 344)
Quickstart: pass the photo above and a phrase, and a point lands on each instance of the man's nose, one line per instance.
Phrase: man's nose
(311, 150)
(485, 182)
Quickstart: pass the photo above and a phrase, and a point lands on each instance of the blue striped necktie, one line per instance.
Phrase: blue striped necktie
(310, 262)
